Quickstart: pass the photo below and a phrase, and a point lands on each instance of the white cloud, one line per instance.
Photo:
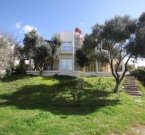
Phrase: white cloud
(24, 28)
(18, 25)
(28, 28)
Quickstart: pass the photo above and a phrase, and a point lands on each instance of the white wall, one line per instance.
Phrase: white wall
(66, 36)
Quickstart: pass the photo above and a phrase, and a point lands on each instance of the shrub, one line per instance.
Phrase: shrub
(102, 86)
(20, 69)
(139, 74)
(76, 89)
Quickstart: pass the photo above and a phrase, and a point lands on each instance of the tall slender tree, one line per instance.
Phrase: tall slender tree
(54, 44)
(31, 40)
(40, 56)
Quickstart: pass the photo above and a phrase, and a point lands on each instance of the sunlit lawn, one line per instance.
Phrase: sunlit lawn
(44, 106)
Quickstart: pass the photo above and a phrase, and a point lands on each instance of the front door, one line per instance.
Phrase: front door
(66, 65)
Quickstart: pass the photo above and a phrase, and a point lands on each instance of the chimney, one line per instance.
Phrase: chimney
(77, 30)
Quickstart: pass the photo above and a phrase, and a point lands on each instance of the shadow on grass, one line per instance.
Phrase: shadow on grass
(12, 78)
(56, 99)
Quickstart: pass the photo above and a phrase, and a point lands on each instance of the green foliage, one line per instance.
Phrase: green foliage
(102, 86)
(40, 56)
(141, 20)
(86, 55)
(54, 44)
(30, 41)
(77, 89)
(118, 29)
(113, 40)
(139, 74)
(81, 58)
(89, 44)
(102, 58)
(138, 41)
(30, 105)
(21, 68)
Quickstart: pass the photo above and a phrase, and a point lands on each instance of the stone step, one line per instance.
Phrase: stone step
(135, 94)
(130, 86)
(129, 80)
(129, 83)
(135, 91)
(130, 77)
(131, 90)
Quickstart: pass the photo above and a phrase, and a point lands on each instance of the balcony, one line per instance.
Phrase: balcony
(66, 48)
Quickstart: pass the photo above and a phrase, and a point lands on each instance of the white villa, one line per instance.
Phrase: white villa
(65, 63)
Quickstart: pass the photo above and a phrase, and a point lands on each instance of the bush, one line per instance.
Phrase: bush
(77, 89)
(20, 69)
(139, 74)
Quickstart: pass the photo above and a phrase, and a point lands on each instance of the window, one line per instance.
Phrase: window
(66, 64)
(66, 47)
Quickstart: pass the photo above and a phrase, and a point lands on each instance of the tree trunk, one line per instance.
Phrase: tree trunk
(51, 64)
(116, 86)
(29, 63)
(82, 69)
(40, 72)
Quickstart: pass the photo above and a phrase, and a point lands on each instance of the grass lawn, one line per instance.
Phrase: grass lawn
(44, 106)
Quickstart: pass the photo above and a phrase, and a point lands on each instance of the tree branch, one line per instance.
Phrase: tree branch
(112, 69)
(125, 68)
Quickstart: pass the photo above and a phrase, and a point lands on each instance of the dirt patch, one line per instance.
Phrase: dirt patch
(138, 130)
(135, 130)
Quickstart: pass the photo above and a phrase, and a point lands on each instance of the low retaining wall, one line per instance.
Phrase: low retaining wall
(72, 73)
(45, 73)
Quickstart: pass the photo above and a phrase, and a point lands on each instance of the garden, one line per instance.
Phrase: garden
(68, 106)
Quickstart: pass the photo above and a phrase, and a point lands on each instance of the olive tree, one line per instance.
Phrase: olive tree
(7, 43)
(112, 41)
(41, 55)
(86, 54)
(30, 41)
(53, 44)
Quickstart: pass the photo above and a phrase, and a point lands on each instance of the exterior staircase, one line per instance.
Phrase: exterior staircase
(131, 87)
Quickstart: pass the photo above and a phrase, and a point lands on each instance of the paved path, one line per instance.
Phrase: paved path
(131, 87)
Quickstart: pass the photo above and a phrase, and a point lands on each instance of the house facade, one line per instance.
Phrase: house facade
(65, 61)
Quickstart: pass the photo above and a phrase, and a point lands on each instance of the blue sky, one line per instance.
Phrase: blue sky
(52, 16)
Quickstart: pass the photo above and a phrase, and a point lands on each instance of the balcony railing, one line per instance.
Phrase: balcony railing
(66, 49)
